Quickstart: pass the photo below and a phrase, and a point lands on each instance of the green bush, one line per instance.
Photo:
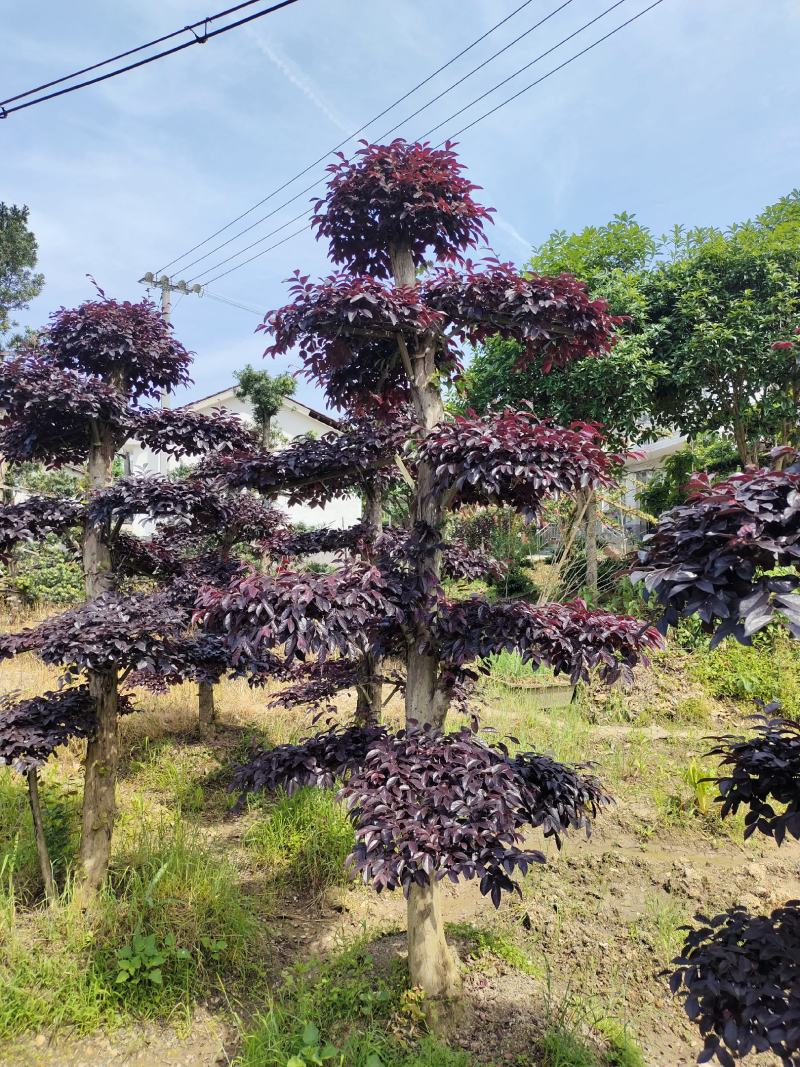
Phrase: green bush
(304, 839)
(46, 573)
(767, 670)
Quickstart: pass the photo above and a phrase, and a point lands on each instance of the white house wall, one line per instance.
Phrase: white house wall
(290, 422)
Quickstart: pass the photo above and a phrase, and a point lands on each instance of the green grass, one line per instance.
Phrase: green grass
(61, 816)
(175, 772)
(767, 670)
(659, 927)
(492, 942)
(60, 966)
(303, 840)
(344, 1013)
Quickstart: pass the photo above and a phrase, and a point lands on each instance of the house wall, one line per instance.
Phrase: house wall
(290, 422)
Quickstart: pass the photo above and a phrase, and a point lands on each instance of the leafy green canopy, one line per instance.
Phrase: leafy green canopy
(19, 282)
(695, 353)
(265, 392)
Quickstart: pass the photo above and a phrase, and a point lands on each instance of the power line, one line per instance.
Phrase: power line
(263, 252)
(555, 70)
(480, 118)
(309, 188)
(196, 39)
(233, 303)
(130, 52)
(303, 215)
(335, 148)
(527, 66)
(475, 70)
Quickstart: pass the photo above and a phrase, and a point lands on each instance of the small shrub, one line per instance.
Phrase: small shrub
(47, 573)
(694, 710)
(562, 1047)
(304, 839)
(487, 942)
(768, 670)
(622, 1049)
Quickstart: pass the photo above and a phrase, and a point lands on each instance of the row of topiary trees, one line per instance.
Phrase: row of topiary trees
(382, 337)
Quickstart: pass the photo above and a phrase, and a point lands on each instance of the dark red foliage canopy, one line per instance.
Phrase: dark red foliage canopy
(712, 556)
(398, 194)
(739, 975)
(514, 458)
(36, 517)
(183, 432)
(112, 631)
(31, 730)
(313, 470)
(551, 318)
(428, 805)
(48, 411)
(762, 771)
(128, 344)
(345, 329)
(301, 614)
(569, 638)
(158, 498)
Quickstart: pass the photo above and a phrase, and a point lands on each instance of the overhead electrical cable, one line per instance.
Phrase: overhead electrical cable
(130, 52)
(555, 70)
(207, 35)
(475, 70)
(263, 252)
(528, 65)
(309, 188)
(336, 147)
(485, 115)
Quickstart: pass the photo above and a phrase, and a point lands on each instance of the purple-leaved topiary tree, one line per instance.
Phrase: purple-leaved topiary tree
(731, 556)
(381, 336)
(74, 398)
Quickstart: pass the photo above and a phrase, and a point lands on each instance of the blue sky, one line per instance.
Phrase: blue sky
(689, 115)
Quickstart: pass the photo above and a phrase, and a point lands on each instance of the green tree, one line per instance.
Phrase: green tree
(617, 391)
(19, 281)
(716, 307)
(266, 393)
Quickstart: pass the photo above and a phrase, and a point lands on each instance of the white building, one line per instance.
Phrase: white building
(293, 420)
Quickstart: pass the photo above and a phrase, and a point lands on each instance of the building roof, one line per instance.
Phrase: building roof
(290, 402)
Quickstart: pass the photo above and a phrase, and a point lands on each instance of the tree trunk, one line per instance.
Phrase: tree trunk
(431, 964)
(590, 518)
(369, 703)
(102, 753)
(99, 789)
(208, 711)
(38, 833)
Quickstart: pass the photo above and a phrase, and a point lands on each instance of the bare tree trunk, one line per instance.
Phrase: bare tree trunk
(102, 753)
(38, 832)
(432, 966)
(208, 711)
(369, 703)
(99, 789)
(590, 519)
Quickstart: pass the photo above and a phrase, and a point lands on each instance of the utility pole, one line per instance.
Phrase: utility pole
(167, 288)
